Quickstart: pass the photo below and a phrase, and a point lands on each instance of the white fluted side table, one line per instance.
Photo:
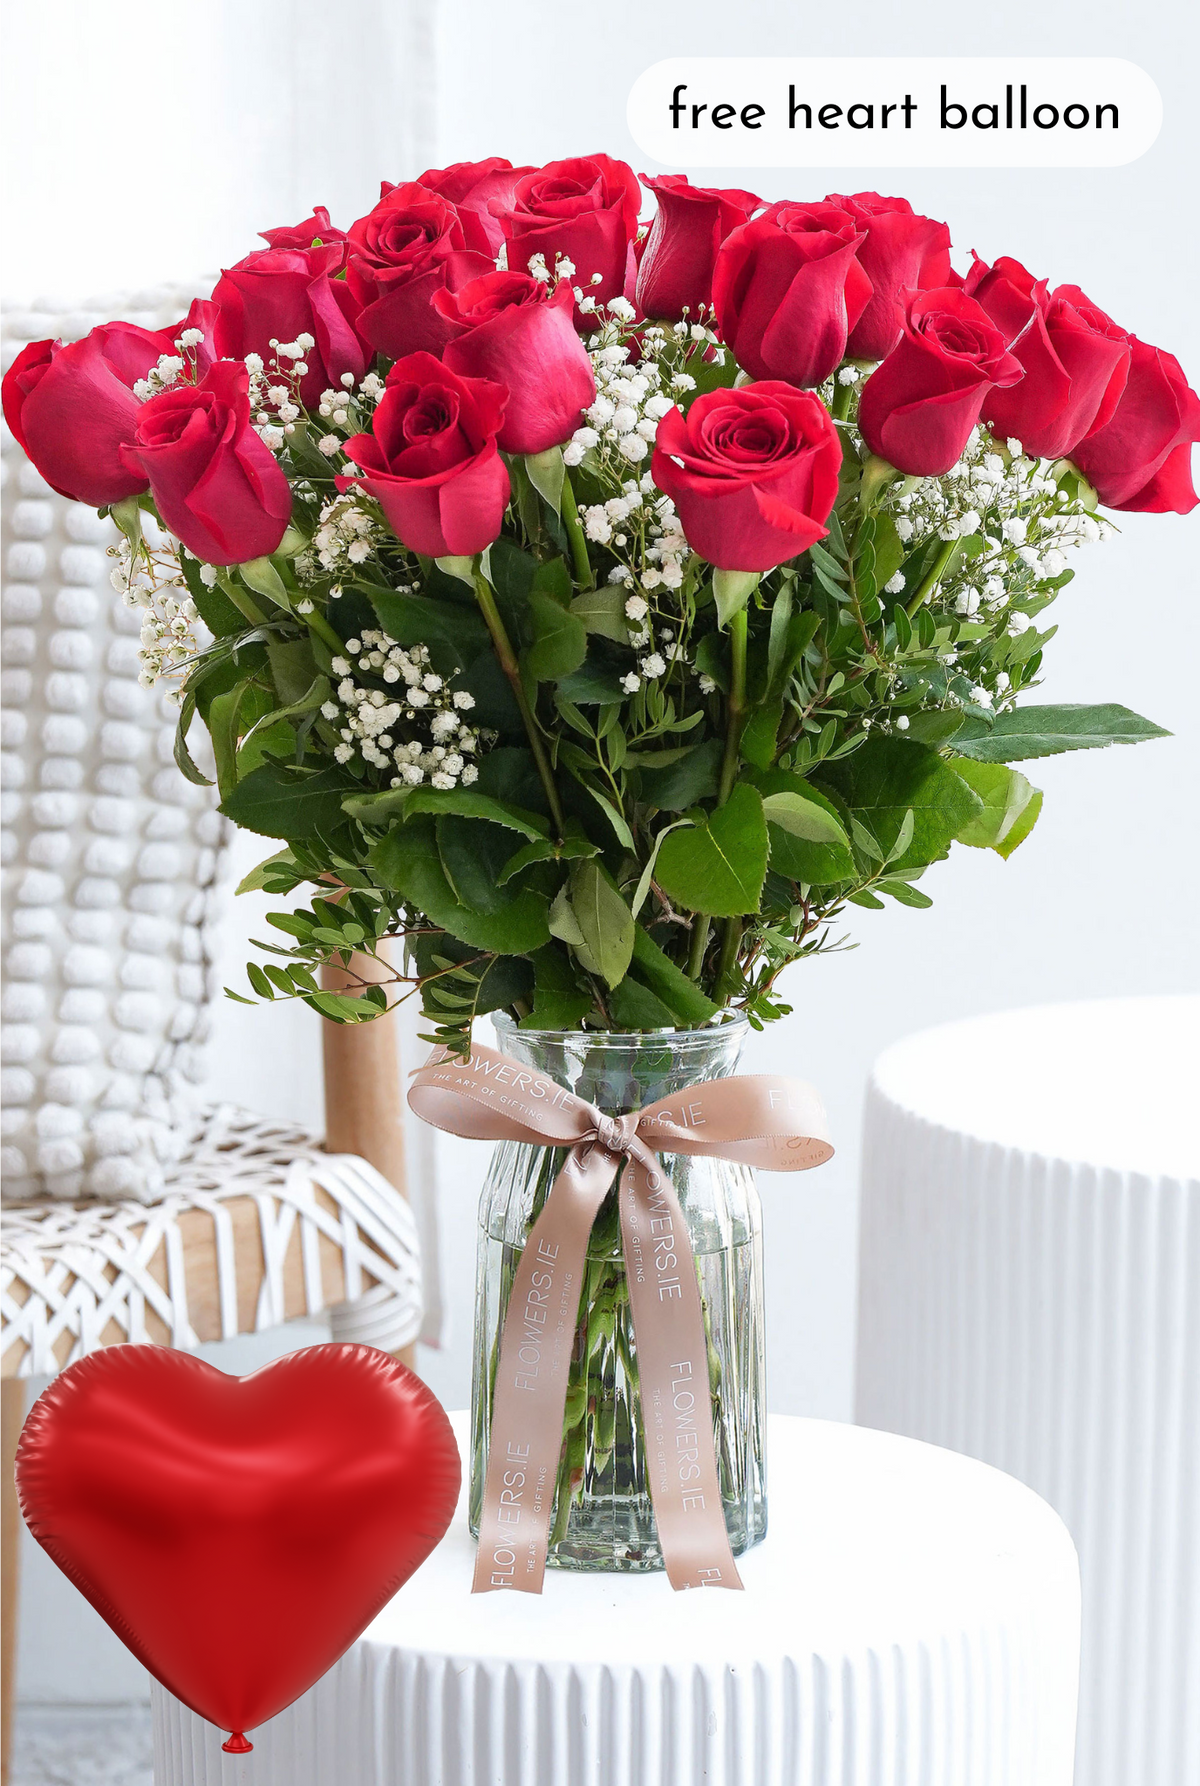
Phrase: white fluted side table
(912, 1616)
(1030, 1295)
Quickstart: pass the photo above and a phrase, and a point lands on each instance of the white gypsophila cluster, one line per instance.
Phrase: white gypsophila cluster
(150, 578)
(412, 697)
(638, 523)
(346, 537)
(1020, 520)
(171, 367)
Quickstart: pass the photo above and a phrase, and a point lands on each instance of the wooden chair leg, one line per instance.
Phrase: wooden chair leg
(12, 1405)
(362, 1088)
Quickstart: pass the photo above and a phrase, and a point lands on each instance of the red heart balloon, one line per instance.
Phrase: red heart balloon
(238, 1533)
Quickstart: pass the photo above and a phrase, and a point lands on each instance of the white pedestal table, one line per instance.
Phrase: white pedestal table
(912, 1616)
(1030, 1295)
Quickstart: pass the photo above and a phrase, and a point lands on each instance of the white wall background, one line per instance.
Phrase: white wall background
(151, 138)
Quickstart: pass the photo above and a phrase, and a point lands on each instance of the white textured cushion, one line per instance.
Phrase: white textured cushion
(112, 861)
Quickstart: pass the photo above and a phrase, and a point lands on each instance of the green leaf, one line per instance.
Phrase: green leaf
(683, 997)
(695, 777)
(571, 849)
(183, 756)
(1007, 798)
(474, 854)
(633, 1006)
(647, 874)
(906, 895)
(799, 854)
(461, 568)
(546, 473)
(605, 922)
(602, 611)
(623, 833)
(257, 878)
(419, 620)
(718, 867)
(407, 861)
(293, 669)
(1046, 731)
(592, 685)
(732, 590)
(889, 776)
(760, 733)
(468, 804)
(559, 639)
(277, 800)
(801, 816)
(260, 575)
(553, 577)
(558, 1000)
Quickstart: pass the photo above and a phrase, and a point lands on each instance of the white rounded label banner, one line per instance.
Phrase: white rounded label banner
(894, 111)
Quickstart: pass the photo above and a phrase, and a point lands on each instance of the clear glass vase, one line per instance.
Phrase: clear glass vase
(603, 1517)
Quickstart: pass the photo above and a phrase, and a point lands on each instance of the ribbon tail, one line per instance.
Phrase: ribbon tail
(672, 1355)
(529, 1399)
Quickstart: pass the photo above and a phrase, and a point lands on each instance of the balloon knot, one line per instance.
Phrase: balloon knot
(237, 1744)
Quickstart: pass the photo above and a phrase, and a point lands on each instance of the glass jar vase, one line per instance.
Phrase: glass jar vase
(603, 1517)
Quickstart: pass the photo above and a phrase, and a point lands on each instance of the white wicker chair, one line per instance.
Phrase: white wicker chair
(142, 1215)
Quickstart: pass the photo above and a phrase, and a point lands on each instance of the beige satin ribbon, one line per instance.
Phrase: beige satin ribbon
(758, 1120)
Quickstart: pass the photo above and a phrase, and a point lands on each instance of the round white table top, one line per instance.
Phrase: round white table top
(1109, 1082)
(874, 1541)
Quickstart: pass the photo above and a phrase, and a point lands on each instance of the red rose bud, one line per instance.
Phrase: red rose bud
(788, 288)
(73, 408)
(313, 232)
(902, 252)
(431, 459)
(675, 271)
(1076, 360)
(216, 485)
(471, 186)
(1142, 458)
(400, 253)
(279, 293)
(753, 473)
(585, 210)
(518, 333)
(918, 408)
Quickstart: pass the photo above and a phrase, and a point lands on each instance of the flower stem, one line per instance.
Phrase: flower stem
(321, 629)
(735, 703)
(839, 409)
(579, 551)
(508, 663)
(700, 931)
(936, 573)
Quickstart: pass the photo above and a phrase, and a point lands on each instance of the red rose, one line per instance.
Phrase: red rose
(1076, 360)
(400, 253)
(585, 209)
(279, 293)
(753, 473)
(1142, 458)
(902, 252)
(676, 267)
(72, 408)
(314, 230)
(214, 482)
(919, 407)
(788, 288)
(431, 459)
(471, 186)
(514, 331)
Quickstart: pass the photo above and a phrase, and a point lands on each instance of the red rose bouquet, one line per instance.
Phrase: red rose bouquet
(603, 609)
(607, 606)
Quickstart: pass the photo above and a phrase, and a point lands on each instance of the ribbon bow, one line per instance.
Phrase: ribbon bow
(758, 1120)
